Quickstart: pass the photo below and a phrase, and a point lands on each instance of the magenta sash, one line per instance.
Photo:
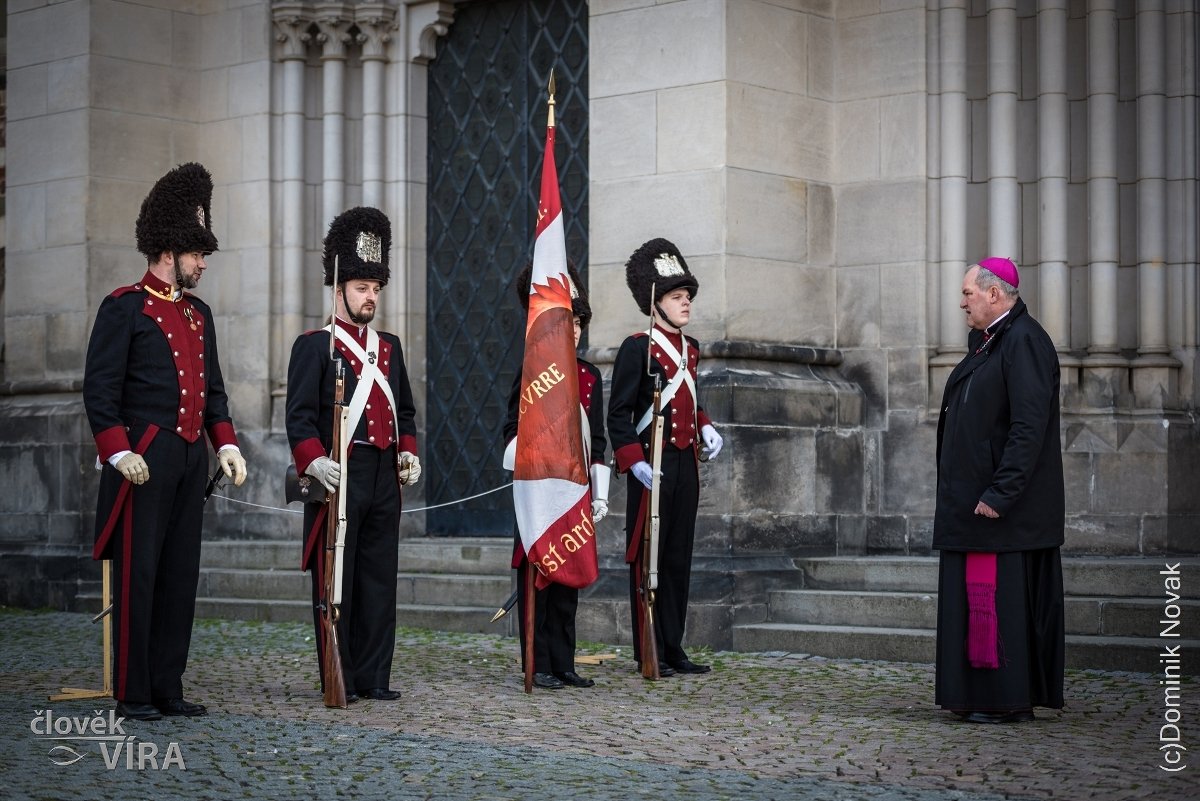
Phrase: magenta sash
(982, 633)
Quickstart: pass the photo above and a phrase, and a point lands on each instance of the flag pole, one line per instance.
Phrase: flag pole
(530, 585)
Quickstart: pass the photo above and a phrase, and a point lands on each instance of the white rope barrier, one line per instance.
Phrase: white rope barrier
(407, 511)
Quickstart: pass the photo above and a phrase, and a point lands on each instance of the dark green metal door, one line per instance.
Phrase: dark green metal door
(487, 127)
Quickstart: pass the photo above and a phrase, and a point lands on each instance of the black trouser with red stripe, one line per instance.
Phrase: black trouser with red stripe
(156, 566)
(680, 495)
(367, 622)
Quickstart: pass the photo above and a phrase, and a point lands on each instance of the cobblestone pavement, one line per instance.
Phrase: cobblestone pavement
(760, 726)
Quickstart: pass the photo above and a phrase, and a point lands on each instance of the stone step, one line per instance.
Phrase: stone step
(251, 584)
(474, 619)
(479, 555)
(251, 554)
(1086, 576)
(872, 574)
(917, 645)
(846, 642)
(1129, 617)
(1120, 617)
(415, 588)
(903, 610)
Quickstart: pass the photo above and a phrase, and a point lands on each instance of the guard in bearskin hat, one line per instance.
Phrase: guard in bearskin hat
(663, 287)
(554, 613)
(152, 389)
(382, 446)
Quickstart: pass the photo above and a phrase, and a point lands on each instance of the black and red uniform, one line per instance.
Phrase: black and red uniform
(367, 625)
(152, 384)
(632, 394)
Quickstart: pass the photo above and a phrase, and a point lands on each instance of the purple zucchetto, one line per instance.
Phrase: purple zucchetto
(1003, 269)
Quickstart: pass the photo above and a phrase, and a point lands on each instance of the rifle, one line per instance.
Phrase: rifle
(505, 607)
(335, 529)
(648, 646)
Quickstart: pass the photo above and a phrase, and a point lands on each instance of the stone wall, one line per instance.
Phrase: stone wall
(787, 147)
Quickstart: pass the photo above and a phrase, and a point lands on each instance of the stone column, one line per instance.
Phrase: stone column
(1004, 198)
(292, 39)
(1054, 165)
(1105, 373)
(333, 20)
(1054, 288)
(1180, 221)
(419, 25)
(1183, 217)
(933, 161)
(1154, 370)
(375, 23)
(955, 167)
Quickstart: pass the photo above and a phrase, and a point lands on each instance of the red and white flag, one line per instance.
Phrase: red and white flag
(550, 479)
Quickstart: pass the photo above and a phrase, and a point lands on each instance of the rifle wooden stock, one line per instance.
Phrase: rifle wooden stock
(331, 655)
(648, 647)
(335, 532)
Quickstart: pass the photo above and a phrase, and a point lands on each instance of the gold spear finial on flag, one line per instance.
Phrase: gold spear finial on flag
(550, 103)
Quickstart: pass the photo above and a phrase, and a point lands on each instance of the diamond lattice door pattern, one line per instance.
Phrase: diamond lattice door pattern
(487, 124)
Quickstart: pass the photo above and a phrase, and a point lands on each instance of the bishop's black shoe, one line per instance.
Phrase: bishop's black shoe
(1015, 716)
(381, 694)
(574, 679)
(132, 711)
(688, 666)
(177, 707)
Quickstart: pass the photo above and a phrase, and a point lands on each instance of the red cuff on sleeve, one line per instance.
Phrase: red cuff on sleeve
(407, 442)
(703, 419)
(629, 455)
(112, 440)
(306, 452)
(221, 434)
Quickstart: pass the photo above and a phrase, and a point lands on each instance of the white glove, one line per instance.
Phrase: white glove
(599, 510)
(644, 473)
(134, 468)
(327, 471)
(233, 463)
(410, 468)
(712, 441)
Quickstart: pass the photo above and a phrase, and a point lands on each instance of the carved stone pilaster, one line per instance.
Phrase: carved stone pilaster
(293, 23)
(376, 25)
(333, 23)
(428, 22)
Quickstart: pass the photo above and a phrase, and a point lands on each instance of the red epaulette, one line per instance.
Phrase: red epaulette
(125, 290)
(640, 335)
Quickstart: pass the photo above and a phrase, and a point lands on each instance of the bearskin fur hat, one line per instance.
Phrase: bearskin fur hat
(658, 263)
(579, 300)
(175, 216)
(361, 239)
